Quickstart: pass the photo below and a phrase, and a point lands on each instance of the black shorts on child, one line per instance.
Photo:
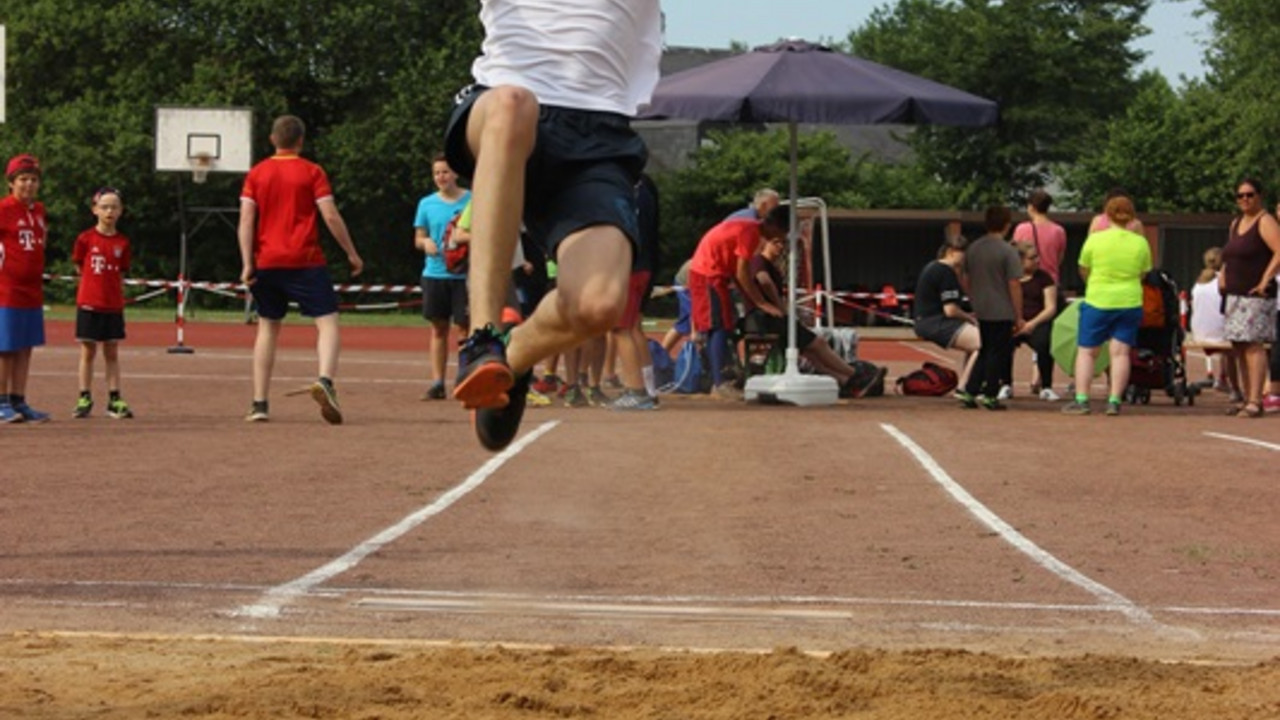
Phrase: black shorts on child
(93, 326)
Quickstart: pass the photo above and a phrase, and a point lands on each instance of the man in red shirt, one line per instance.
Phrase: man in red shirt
(22, 240)
(102, 256)
(724, 255)
(283, 262)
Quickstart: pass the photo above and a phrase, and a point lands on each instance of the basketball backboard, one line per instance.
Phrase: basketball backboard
(206, 139)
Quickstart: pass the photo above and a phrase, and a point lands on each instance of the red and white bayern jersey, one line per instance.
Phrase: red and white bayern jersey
(103, 260)
(22, 240)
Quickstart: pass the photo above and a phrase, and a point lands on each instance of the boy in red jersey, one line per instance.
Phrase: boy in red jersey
(22, 238)
(280, 250)
(101, 255)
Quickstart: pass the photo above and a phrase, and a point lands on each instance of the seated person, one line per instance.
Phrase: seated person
(766, 276)
(940, 317)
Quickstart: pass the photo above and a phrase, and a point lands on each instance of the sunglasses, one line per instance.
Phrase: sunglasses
(1246, 195)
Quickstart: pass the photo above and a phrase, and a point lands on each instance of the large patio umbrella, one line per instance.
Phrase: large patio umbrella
(799, 82)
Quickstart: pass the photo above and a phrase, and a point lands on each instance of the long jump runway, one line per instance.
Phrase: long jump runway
(888, 522)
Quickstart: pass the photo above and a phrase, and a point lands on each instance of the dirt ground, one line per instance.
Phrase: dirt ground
(113, 589)
(45, 676)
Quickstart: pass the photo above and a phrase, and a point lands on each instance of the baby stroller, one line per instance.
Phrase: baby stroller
(1159, 361)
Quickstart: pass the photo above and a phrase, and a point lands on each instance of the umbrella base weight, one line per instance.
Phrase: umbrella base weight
(792, 389)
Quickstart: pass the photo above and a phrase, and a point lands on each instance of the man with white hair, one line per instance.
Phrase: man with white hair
(765, 200)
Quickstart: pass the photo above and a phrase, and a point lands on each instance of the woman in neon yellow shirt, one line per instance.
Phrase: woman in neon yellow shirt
(1112, 264)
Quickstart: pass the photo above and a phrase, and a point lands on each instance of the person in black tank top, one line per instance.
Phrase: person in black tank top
(1251, 260)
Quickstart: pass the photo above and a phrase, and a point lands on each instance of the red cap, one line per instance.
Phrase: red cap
(22, 164)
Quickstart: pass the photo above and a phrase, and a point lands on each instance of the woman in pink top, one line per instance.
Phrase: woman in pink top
(1047, 237)
(1101, 222)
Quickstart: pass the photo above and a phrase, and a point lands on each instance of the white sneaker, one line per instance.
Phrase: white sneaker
(1050, 395)
(1006, 392)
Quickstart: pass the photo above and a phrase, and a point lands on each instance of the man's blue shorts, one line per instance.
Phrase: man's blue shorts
(311, 288)
(21, 328)
(1098, 326)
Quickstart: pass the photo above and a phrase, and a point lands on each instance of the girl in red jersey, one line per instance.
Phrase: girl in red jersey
(22, 237)
(101, 256)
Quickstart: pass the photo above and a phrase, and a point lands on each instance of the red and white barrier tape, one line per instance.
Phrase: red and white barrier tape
(846, 299)
(235, 286)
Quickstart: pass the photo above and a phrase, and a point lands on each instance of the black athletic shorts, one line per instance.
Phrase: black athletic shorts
(583, 170)
(939, 329)
(444, 299)
(93, 326)
(759, 322)
(311, 288)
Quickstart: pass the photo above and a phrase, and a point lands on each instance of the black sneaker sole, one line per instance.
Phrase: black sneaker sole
(497, 427)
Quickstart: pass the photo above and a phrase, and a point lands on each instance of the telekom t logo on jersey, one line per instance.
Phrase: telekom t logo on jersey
(98, 263)
(27, 238)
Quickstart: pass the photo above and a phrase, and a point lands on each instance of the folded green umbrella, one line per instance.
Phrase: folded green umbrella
(1063, 342)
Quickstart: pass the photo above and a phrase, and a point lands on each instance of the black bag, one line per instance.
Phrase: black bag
(867, 380)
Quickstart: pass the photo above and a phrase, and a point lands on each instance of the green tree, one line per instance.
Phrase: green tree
(1058, 68)
(1170, 150)
(373, 81)
(727, 170)
(1244, 62)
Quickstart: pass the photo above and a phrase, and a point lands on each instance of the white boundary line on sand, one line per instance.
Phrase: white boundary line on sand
(1244, 440)
(274, 599)
(619, 605)
(1110, 598)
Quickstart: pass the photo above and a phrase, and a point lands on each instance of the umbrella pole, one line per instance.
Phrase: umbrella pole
(793, 354)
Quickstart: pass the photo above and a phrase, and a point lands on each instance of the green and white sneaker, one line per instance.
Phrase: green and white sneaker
(84, 406)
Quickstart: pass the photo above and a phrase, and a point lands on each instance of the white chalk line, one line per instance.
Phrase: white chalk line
(241, 379)
(1109, 598)
(274, 599)
(1244, 440)
(706, 605)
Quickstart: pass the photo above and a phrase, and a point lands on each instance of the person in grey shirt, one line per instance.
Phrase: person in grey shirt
(994, 269)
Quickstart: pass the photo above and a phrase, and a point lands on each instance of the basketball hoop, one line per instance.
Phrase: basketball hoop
(200, 166)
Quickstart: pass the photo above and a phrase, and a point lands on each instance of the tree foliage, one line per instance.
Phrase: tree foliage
(1170, 150)
(1185, 150)
(1244, 62)
(727, 170)
(1059, 69)
(373, 82)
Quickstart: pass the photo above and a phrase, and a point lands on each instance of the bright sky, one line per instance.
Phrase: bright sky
(1175, 45)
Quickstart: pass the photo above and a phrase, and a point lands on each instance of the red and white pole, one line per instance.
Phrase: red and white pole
(180, 318)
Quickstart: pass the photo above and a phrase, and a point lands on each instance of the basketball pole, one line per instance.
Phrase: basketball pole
(180, 315)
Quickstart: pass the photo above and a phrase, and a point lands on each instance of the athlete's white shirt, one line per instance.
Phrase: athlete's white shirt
(581, 54)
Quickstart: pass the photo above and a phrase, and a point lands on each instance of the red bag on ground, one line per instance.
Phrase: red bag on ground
(932, 379)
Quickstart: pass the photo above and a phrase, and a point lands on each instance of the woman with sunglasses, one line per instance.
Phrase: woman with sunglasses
(1250, 261)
